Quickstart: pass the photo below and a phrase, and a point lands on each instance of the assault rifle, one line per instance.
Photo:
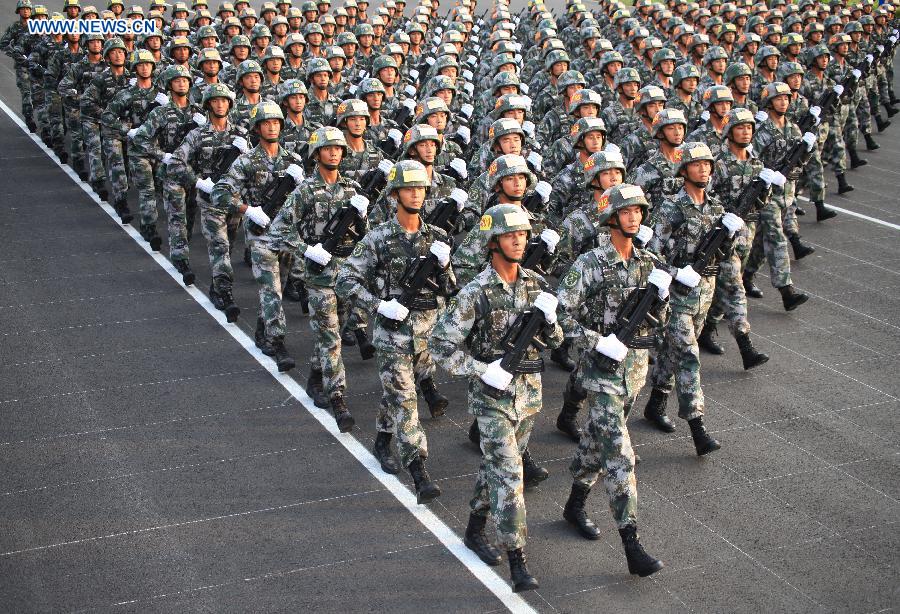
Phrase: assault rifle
(446, 212)
(515, 343)
(341, 225)
(638, 308)
(276, 193)
(418, 276)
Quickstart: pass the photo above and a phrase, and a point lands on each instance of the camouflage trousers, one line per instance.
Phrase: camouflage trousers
(678, 360)
(114, 155)
(499, 486)
(53, 103)
(605, 448)
(814, 171)
(789, 212)
(730, 299)
(834, 151)
(266, 265)
(180, 213)
(90, 130)
(219, 230)
(38, 101)
(23, 82)
(399, 412)
(772, 243)
(851, 124)
(76, 137)
(143, 176)
(324, 307)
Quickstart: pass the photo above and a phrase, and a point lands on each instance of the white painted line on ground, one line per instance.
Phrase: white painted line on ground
(485, 574)
(874, 220)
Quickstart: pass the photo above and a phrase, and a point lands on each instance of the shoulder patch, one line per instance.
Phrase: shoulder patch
(571, 279)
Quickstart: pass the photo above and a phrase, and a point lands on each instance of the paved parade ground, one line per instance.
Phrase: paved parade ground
(151, 459)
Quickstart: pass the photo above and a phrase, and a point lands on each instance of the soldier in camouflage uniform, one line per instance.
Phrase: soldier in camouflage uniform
(68, 54)
(589, 136)
(353, 119)
(684, 95)
(8, 42)
(77, 77)
(465, 342)
(637, 146)
(679, 224)
(590, 296)
(249, 77)
(49, 116)
(372, 276)
(738, 77)
(584, 104)
(505, 136)
(321, 196)
(621, 116)
(657, 176)
(717, 102)
(292, 96)
(150, 152)
(321, 106)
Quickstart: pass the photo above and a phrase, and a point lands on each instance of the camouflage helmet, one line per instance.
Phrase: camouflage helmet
(352, 107)
(326, 136)
(738, 69)
(273, 52)
(773, 90)
(662, 55)
(407, 174)
(608, 58)
(260, 30)
(853, 26)
(585, 97)
(570, 77)
(370, 86)
(839, 39)
(420, 133)
(648, 94)
(207, 32)
(736, 117)
(313, 28)
(114, 43)
(294, 38)
(315, 65)
(717, 93)
(239, 40)
(765, 51)
(667, 117)
(141, 56)
(24, 4)
(290, 88)
(335, 52)
(685, 71)
(173, 72)
(502, 127)
(507, 165)
(501, 219)
(584, 125)
(599, 162)
(247, 67)
(444, 61)
(346, 38)
(620, 197)
(504, 79)
(438, 83)
(208, 54)
(382, 62)
(786, 69)
(512, 102)
(692, 151)
(815, 51)
(364, 29)
(217, 90)
(429, 106)
(93, 37)
(557, 55)
(626, 75)
(714, 53)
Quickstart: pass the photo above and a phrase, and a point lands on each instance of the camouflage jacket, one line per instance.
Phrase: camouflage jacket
(707, 133)
(691, 109)
(294, 137)
(128, 109)
(197, 154)
(248, 178)
(100, 92)
(163, 130)
(78, 77)
(620, 122)
(657, 178)
(441, 186)
(568, 191)
(637, 147)
(321, 112)
(59, 65)
(373, 272)
(358, 163)
(467, 335)
(732, 176)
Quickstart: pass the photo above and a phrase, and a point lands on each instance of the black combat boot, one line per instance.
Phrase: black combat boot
(881, 123)
(560, 356)
(655, 411)
(702, 440)
(567, 420)
(707, 339)
(187, 275)
(801, 249)
(231, 310)
(532, 474)
(750, 288)
(282, 358)
(99, 188)
(799, 210)
(518, 572)
(749, 355)
(476, 541)
(843, 188)
(382, 451)
(316, 390)
(149, 234)
(124, 213)
(791, 298)
(891, 111)
(871, 145)
(348, 338)
(366, 349)
(474, 433)
(32, 127)
(426, 488)
(342, 415)
(639, 562)
(260, 339)
(61, 154)
(437, 403)
(576, 516)
(822, 212)
(855, 160)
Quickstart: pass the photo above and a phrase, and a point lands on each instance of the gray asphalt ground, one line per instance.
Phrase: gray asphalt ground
(149, 463)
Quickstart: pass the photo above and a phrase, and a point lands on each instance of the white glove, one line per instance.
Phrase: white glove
(393, 309)
(547, 303)
(132, 132)
(810, 139)
(167, 159)
(353, 89)
(857, 73)
(687, 276)
(644, 234)
(459, 165)
(612, 148)
(467, 75)
(880, 48)
(838, 89)
(528, 128)
(318, 254)
(476, 29)
(496, 376)
(460, 196)
(661, 280)
(732, 222)
(409, 103)
(816, 112)
(466, 110)
(870, 58)
(410, 90)
(199, 119)
(360, 203)
(295, 171)
(472, 60)
(518, 59)
(441, 251)
(205, 185)
(464, 133)
(468, 88)
(536, 161)
(385, 167)
(257, 216)
(611, 347)
(772, 177)
(414, 74)
(396, 136)
(543, 189)
(551, 238)
(132, 82)
(761, 116)
(241, 143)
(704, 116)
(430, 60)
(162, 99)
(523, 88)
(436, 40)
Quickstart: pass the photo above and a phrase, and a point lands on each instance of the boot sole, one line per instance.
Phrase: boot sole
(526, 586)
(155, 244)
(569, 434)
(428, 496)
(648, 572)
(231, 313)
(709, 450)
(492, 562)
(796, 304)
(760, 361)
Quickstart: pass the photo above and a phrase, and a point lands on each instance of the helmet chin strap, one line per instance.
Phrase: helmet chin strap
(411, 210)
(329, 166)
(628, 235)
